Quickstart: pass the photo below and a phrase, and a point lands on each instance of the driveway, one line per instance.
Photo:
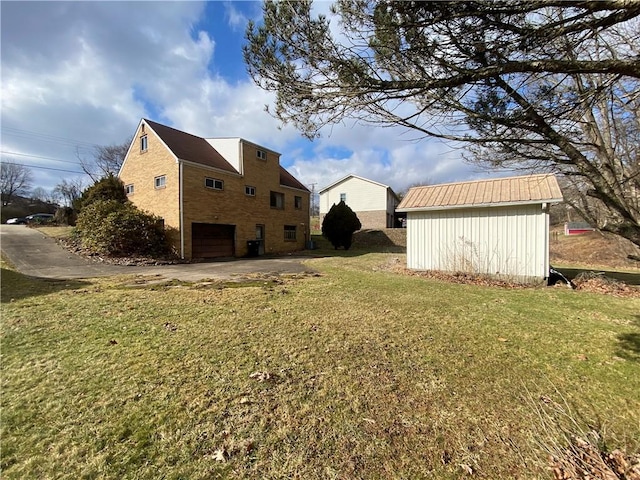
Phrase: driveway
(37, 255)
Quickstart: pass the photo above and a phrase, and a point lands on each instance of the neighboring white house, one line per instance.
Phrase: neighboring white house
(373, 202)
(498, 227)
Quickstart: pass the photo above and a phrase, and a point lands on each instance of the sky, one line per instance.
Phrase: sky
(75, 75)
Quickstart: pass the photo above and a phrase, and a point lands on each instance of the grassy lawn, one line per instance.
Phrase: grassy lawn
(354, 373)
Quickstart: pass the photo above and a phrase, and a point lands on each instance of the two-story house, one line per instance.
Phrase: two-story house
(373, 202)
(218, 197)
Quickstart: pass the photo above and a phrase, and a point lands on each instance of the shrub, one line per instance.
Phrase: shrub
(339, 224)
(107, 188)
(120, 229)
(65, 216)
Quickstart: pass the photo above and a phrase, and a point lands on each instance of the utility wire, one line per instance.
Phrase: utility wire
(38, 156)
(46, 137)
(50, 168)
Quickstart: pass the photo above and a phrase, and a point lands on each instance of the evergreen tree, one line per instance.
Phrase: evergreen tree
(339, 225)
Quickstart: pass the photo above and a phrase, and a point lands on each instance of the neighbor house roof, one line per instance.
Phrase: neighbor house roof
(343, 179)
(520, 190)
(190, 148)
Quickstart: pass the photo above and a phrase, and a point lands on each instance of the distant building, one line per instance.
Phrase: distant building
(373, 202)
(577, 228)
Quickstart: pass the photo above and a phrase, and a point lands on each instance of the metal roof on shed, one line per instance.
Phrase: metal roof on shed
(519, 190)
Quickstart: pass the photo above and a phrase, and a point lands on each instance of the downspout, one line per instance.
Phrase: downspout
(545, 209)
(180, 181)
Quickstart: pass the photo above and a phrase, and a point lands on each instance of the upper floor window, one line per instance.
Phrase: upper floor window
(343, 197)
(290, 233)
(129, 189)
(251, 191)
(143, 143)
(214, 183)
(277, 200)
(297, 202)
(160, 182)
(261, 154)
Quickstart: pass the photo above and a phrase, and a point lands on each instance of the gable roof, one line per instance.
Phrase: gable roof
(198, 150)
(344, 179)
(289, 180)
(527, 189)
(189, 147)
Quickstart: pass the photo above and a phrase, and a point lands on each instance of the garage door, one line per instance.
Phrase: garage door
(210, 240)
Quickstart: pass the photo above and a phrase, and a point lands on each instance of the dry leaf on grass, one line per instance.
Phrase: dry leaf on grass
(220, 455)
(263, 376)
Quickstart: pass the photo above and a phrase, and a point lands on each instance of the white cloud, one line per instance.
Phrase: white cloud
(236, 19)
(83, 73)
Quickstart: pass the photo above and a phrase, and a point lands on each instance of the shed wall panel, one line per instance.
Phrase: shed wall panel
(509, 241)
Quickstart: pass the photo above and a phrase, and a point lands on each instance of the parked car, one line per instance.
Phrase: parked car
(17, 221)
(40, 218)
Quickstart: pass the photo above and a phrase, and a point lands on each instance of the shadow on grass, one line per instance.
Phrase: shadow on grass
(629, 343)
(323, 248)
(16, 286)
(626, 277)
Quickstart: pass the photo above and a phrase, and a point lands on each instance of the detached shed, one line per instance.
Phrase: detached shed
(497, 227)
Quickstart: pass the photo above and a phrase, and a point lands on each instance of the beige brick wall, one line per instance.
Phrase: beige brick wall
(230, 206)
(140, 170)
(374, 219)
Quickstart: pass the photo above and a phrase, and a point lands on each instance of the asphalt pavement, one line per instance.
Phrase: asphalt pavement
(37, 255)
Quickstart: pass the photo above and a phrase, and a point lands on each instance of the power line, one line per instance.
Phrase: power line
(38, 156)
(50, 168)
(44, 137)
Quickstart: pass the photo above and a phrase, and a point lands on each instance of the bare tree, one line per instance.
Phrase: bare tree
(15, 179)
(69, 191)
(535, 85)
(105, 160)
(402, 193)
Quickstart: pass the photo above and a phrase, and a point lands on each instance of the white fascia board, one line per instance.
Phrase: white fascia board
(478, 205)
(207, 167)
(296, 189)
(337, 182)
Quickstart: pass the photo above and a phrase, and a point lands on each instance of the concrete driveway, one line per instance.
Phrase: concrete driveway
(36, 255)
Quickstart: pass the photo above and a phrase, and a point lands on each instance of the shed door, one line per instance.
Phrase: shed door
(211, 240)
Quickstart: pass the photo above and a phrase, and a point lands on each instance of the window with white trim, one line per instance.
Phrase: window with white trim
(129, 189)
(289, 233)
(144, 144)
(160, 182)
(249, 190)
(261, 154)
(343, 197)
(214, 183)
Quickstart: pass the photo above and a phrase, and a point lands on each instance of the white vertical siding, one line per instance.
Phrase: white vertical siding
(510, 241)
